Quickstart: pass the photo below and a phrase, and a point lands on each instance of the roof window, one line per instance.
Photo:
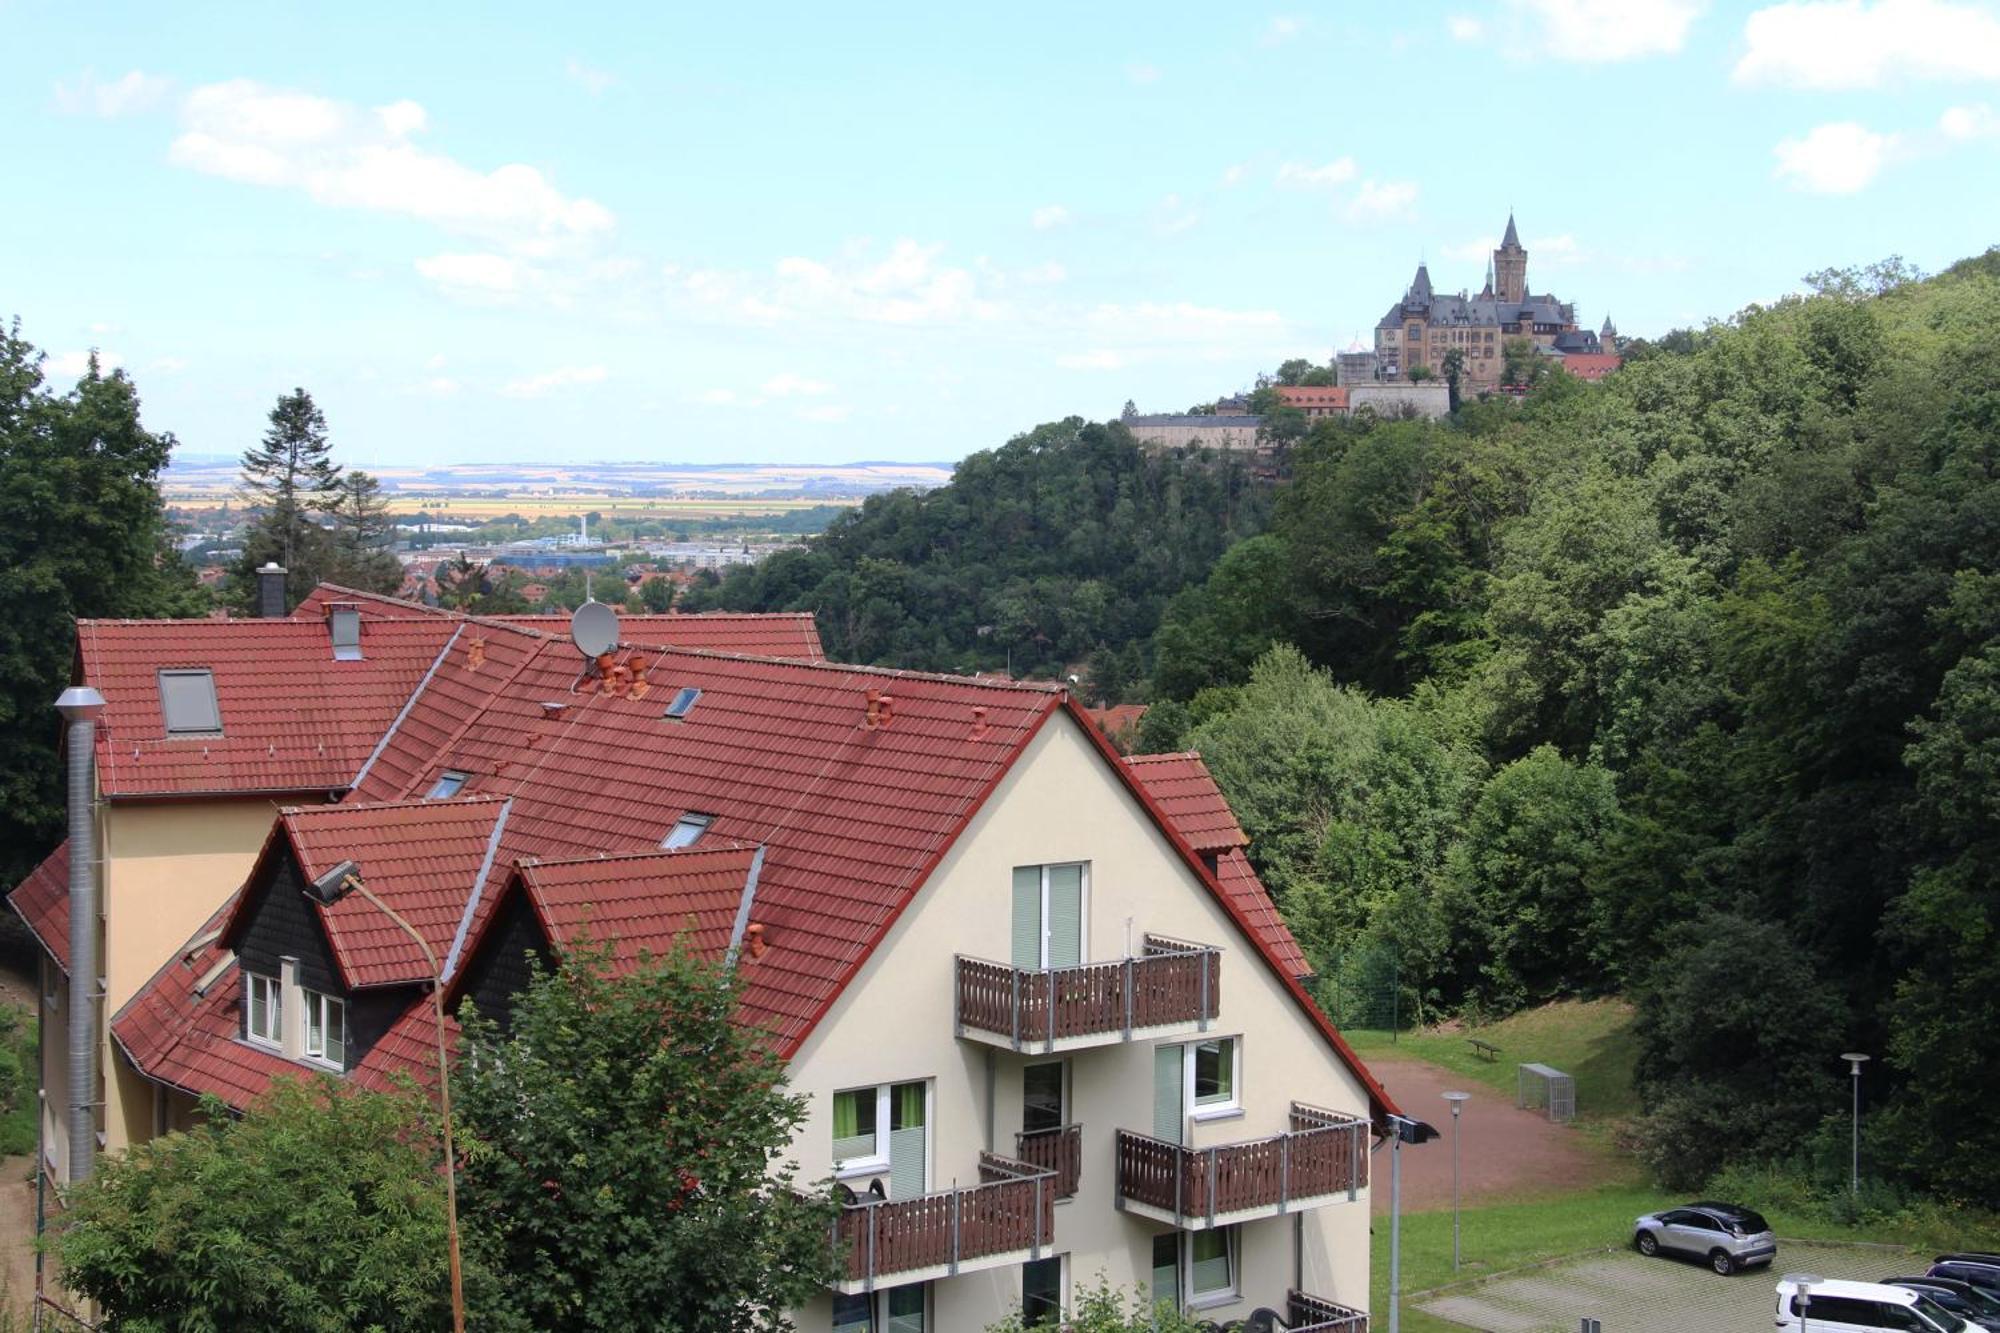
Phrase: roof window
(345, 624)
(686, 830)
(187, 700)
(683, 702)
(449, 783)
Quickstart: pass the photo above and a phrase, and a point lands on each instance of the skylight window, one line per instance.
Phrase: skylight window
(683, 703)
(449, 783)
(187, 700)
(687, 830)
(345, 625)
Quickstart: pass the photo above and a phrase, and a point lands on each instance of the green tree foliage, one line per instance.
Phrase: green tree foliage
(321, 1209)
(290, 474)
(81, 535)
(1068, 537)
(363, 533)
(625, 1141)
(1100, 1309)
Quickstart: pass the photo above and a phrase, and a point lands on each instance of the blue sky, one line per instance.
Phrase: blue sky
(826, 233)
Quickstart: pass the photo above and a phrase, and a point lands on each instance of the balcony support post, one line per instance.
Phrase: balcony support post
(1284, 1174)
(1049, 1017)
(1180, 1182)
(958, 995)
(1204, 957)
(957, 1207)
(1036, 1251)
(1211, 1187)
(1355, 1149)
(1017, 1008)
(874, 1214)
(1128, 997)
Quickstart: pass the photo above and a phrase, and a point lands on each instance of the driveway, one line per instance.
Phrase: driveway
(1633, 1294)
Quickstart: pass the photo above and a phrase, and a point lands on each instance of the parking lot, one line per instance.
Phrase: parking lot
(1632, 1294)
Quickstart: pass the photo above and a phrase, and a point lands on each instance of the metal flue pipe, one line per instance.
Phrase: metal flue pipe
(80, 706)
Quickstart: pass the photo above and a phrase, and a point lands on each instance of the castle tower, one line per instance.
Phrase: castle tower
(1510, 267)
(1607, 337)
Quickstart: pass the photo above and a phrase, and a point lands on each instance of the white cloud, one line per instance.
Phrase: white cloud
(715, 397)
(1839, 158)
(1142, 73)
(1234, 175)
(436, 361)
(1382, 201)
(1174, 216)
(592, 81)
(788, 385)
(1118, 336)
(565, 377)
(910, 285)
(1838, 44)
(170, 365)
(824, 412)
(1464, 28)
(1337, 172)
(1594, 31)
(70, 366)
(1961, 124)
(492, 277)
(1100, 359)
(1049, 215)
(87, 95)
(440, 386)
(343, 157)
(1281, 29)
(1044, 275)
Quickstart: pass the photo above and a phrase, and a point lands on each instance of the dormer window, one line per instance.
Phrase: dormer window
(687, 830)
(264, 1018)
(449, 784)
(326, 1029)
(187, 702)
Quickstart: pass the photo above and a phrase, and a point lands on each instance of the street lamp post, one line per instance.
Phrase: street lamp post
(1402, 1130)
(1855, 1059)
(330, 887)
(1805, 1282)
(1458, 1101)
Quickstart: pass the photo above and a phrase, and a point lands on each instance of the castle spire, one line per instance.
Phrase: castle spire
(1511, 241)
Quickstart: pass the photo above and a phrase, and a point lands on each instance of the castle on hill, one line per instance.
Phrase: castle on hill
(1424, 327)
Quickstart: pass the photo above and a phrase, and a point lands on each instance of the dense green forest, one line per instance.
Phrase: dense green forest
(1063, 541)
(1684, 685)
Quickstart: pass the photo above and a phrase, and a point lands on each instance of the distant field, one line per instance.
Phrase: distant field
(544, 506)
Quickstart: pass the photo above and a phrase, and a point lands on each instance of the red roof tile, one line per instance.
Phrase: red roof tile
(644, 901)
(1304, 396)
(42, 900)
(1238, 879)
(1187, 793)
(424, 859)
(293, 718)
(1591, 365)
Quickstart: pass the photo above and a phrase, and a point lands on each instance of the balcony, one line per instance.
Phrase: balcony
(1311, 1314)
(1006, 1219)
(1058, 1150)
(1322, 1159)
(1172, 988)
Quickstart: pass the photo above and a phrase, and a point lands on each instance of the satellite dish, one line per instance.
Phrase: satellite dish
(594, 627)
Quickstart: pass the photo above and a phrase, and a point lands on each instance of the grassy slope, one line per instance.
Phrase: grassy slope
(1590, 1039)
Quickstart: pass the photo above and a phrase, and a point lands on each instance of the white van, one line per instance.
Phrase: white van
(1832, 1306)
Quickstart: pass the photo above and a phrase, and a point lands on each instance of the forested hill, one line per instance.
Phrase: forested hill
(1063, 542)
(1686, 685)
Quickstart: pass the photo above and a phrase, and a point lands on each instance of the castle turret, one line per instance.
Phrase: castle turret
(1420, 287)
(1510, 267)
(1607, 337)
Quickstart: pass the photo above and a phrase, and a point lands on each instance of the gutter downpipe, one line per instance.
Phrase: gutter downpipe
(80, 706)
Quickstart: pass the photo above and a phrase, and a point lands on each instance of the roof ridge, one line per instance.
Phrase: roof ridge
(1049, 687)
(1157, 758)
(642, 854)
(404, 803)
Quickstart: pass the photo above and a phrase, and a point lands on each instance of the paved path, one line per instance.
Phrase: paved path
(1505, 1153)
(1633, 1294)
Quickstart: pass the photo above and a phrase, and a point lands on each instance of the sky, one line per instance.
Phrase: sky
(827, 233)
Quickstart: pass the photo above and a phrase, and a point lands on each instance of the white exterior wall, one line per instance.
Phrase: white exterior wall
(894, 1024)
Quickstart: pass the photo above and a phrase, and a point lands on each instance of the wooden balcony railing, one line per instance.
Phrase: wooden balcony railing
(1057, 1150)
(1011, 1210)
(1323, 1154)
(1172, 983)
(1311, 1314)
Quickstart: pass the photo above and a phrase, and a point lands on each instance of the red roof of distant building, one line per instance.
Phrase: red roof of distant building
(1120, 722)
(1305, 397)
(1591, 365)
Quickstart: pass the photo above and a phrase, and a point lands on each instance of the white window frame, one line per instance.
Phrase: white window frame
(317, 1008)
(688, 830)
(456, 778)
(877, 1162)
(274, 1010)
(1062, 1289)
(1232, 1240)
(1083, 909)
(1215, 1110)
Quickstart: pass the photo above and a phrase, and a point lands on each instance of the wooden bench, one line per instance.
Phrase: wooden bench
(1485, 1050)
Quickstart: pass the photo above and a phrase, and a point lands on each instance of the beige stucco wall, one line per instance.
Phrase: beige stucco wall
(1431, 399)
(894, 1023)
(1181, 437)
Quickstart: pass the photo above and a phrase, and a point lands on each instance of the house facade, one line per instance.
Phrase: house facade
(1048, 1026)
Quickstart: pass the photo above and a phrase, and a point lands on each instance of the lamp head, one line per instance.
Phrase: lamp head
(335, 884)
(79, 703)
(1855, 1060)
(1457, 1100)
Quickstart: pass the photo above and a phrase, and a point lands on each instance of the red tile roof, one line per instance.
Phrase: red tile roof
(1181, 783)
(424, 859)
(42, 900)
(293, 718)
(1591, 365)
(1120, 722)
(644, 901)
(1238, 879)
(1303, 396)
(762, 634)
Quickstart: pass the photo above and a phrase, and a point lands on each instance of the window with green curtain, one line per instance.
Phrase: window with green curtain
(1168, 1077)
(906, 1106)
(1026, 953)
(854, 1124)
(1065, 923)
(1215, 1072)
(1212, 1262)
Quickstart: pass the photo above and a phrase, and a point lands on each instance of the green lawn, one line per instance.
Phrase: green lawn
(1589, 1039)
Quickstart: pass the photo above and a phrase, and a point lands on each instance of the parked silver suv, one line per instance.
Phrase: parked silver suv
(1727, 1236)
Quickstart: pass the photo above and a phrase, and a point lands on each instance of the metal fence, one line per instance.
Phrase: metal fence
(1362, 988)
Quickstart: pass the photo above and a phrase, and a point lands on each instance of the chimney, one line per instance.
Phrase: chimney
(271, 591)
(80, 706)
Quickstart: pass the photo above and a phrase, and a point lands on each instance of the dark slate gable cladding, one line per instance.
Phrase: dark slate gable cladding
(281, 924)
(500, 971)
(370, 1013)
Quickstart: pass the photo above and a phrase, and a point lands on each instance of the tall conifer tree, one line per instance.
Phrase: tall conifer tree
(291, 473)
